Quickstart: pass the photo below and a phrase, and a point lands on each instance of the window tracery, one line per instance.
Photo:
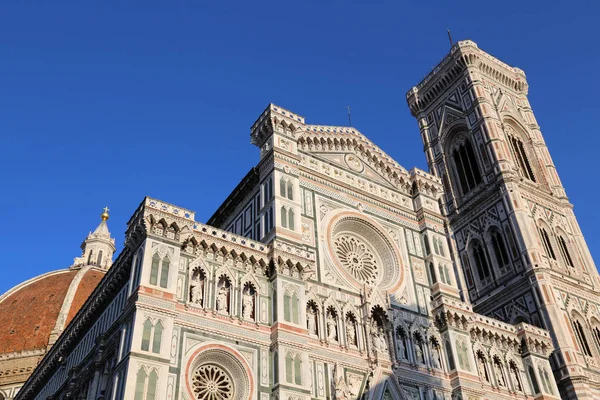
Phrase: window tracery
(159, 270)
(480, 258)
(578, 327)
(152, 334)
(210, 382)
(146, 384)
(546, 243)
(466, 166)
(562, 244)
(520, 155)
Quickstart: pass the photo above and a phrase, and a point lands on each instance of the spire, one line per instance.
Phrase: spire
(98, 248)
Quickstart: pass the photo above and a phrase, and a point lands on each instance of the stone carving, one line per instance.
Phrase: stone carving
(222, 297)
(331, 327)
(357, 258)
(196, 293)
(248, 303)
(211, 382)
(350, 332)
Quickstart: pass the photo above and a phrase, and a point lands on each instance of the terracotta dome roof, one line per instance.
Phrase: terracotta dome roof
(29, 312)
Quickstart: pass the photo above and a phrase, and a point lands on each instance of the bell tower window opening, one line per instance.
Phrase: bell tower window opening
(518, 150)
(581, 338)
(565, 251)
(481, 263)
(546, 242)
(499, 249)
(467, 168)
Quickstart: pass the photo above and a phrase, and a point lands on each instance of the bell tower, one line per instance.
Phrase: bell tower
(514, 235)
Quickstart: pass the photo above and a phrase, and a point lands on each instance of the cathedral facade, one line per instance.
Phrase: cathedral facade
(332, 272)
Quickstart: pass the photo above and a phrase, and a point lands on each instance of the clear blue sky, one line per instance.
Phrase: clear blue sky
(105, 102)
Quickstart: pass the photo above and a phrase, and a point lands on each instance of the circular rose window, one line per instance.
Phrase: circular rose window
(217, 372)
(362, 252)
(357, 258)
(212, 383)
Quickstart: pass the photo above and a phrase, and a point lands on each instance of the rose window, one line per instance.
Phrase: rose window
(212, 383)
(357, 258)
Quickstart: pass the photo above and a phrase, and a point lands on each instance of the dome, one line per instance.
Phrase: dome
(34, 313)
(29, 312)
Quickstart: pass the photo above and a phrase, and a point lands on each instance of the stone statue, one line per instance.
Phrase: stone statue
(401, 348)
(516, 380)
(196, 294)
(379, 341)
(419, 353)
(247, 305)
(350, 332)
(436, 358)
(499, 375)
(222, 299)
(331, 334)
(481, 369)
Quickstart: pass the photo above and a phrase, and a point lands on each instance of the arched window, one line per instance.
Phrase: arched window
(289, 367)
(154, 269)
(499, 249)
(284, 217)
(534, 382)
(297, 370)
(295, 304)
(291, 219)
(546, 242)
(90, 257)
(275, 367)
(467, 168)
(427, 247)
(282, 187)
(146, 335)
(450, 356)
(581, 338)
(432, 278)
(140, 384)
(164, 273)
(99, 261)
(565, 251)
(152, 383)
(481, 263)
(158, 331)
(518, 150)
(152, 333)
(596, 333)
(290, 190)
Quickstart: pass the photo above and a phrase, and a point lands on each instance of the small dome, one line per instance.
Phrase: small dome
(29, 312)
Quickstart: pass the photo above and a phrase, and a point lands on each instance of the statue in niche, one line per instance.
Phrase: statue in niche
(311, 321)
(499, 374)
(481, 368)
(419, 357)
(379, 342)
(222, 305)
(248, 303)
(350, 332)
(436, 361)
(331, 327)
(196, 293)
(515, 375)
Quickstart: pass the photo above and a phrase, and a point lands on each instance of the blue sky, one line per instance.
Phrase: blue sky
(103, 103)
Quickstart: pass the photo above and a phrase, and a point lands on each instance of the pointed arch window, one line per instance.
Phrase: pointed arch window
(581, 338)
(146, 385)
(289, 367)
(562, 244)
(432, 277)
(534, 382)
(291, 219)
(290, 190)
(284, 217)
(90, 257)
(518, 151)
(483, 269)
(152, 333)
(547, 244)
(467, 168)
(499, 249)
(297, 370)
